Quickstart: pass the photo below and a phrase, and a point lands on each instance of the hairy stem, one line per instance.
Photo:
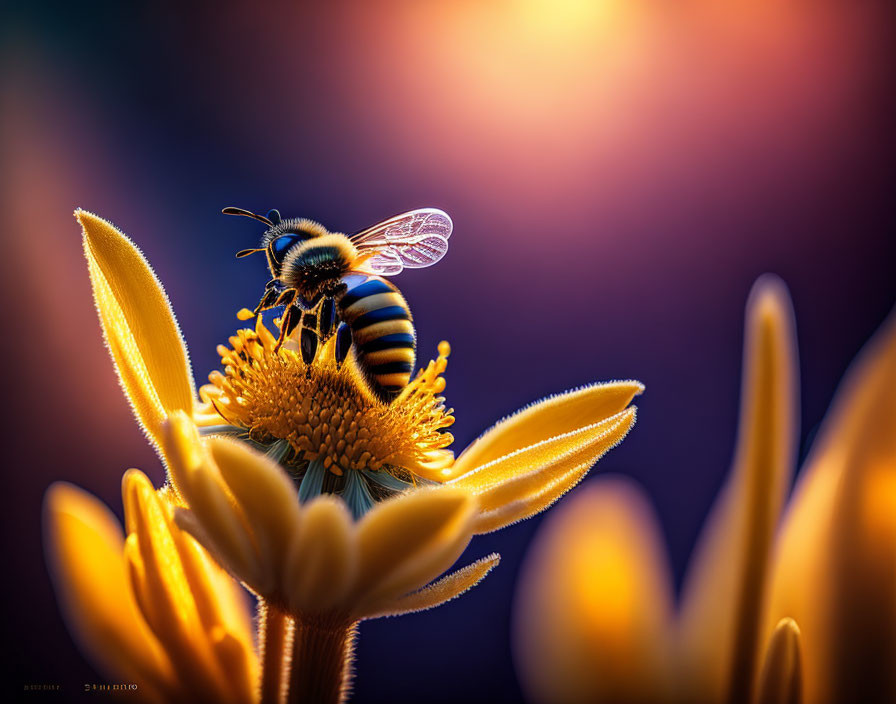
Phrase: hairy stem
(274, 634)
(322, 656)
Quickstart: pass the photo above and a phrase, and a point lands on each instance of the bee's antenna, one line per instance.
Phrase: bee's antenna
(246, 213)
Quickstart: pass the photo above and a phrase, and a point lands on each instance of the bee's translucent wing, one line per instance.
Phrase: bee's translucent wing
(414, 240)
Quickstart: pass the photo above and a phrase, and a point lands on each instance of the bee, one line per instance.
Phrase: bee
(330, 283)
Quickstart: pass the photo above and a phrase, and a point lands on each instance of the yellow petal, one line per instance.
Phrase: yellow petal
(835, 567)
(159, 583)
(447, 588)
(266, 495)
(593, 611)
(547, 486)
(532, 469)
(129, 364)
(190, 604)
(139, 326)
(322, 559)
(156, 551)
(219, 599)
(239, 666)
(726, 584)
(528, 506)
(224, 530)
(781, 679)
(187, 521)
(84, 548)
(224, 614)
(551, 417)
(407, 541)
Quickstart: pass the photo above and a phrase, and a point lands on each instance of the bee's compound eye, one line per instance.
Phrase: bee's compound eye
(281, 245)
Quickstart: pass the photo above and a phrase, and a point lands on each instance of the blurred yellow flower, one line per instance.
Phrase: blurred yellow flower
(802, 609)
(327, 504)
(150, 609)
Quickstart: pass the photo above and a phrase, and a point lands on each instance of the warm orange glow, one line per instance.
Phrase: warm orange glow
(534, 66)
(604, 584)
(879, 502)
(597, 590)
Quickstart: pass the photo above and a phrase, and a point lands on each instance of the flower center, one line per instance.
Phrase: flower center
(321, 421)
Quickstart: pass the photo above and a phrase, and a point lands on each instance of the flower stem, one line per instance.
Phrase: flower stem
(320, 671)
(273, 632)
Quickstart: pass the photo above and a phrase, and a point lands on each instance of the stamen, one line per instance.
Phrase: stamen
(319, 419)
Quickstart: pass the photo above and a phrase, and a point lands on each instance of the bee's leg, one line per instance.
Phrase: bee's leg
(291, 318)
(308, 304)
(343, 342)
(327, 318)
(309, 339)
(268, 300)
(286, 298)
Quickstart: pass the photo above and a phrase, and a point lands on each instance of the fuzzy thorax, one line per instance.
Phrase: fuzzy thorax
(326, 413)
(316, 266)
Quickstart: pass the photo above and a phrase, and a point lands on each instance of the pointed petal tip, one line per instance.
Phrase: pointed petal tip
(88, 220)
(551, 417)
(134, 487)
(60, 499)
(56, 493)
(639, 387)
(437, 593)
(65, 497)
(180, 439)
(133, 479)
(770, 295)
(781, 677)
(769, 281)
(789, 625)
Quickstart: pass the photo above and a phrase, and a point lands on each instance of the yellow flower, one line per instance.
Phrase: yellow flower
(152, 609)
(259, 458)
(320, 421)
(313, 559)
(595, 617)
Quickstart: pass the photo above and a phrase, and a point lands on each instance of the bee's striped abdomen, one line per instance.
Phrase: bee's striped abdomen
(383, 335)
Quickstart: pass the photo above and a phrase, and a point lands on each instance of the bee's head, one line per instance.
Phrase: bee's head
(281, 235)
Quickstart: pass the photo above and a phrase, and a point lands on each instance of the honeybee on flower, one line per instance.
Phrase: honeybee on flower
(323, 278)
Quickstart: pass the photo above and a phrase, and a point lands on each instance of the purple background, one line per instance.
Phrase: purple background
(618, 174)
